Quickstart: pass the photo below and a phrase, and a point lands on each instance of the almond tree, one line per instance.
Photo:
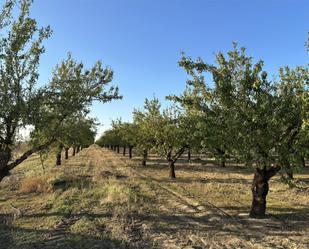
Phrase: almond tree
(45, 108)
(173, 136)
(167, 132)
(257, 125)
(145, 121)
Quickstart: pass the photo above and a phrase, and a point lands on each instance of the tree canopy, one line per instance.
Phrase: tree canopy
(46, 108)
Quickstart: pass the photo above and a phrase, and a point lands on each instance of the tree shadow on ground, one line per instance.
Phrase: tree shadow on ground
(14, 237)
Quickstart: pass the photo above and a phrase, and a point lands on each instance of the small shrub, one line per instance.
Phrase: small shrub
(34, 184)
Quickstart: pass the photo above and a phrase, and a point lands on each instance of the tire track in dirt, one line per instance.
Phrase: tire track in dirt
(58, 237)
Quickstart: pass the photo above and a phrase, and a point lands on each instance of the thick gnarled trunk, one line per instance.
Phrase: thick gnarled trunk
(260, 189)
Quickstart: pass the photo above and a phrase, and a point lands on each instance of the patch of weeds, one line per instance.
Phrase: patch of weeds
(34, 184)
(65, 182)
(64, 206)
(85, 226)
(65, 210)
(117, 192)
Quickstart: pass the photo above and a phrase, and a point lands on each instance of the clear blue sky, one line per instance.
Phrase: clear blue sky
(142, 39)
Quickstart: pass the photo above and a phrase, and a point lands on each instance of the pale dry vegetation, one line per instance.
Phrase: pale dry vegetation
(101, 199)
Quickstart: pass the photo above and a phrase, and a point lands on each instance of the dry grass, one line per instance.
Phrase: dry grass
(115, 206)
(34, 184)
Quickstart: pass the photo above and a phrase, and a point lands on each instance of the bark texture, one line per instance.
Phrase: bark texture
(260, 189)
(171, 165)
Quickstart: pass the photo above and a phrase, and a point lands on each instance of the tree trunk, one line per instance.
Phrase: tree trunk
(145, 155)
(289, 171)
(259, 190)
(288, 168)
(2, 175)
(124, 150)
(303, 161)
(58, 159)
(171, 165)
(189, 155)
(74, 151)
(77, 149)
(3, 170)
(118, 149)
(222, 157)
(5, 157)
(222, 161)
(66, 153)
(130, 152)
(58, 156)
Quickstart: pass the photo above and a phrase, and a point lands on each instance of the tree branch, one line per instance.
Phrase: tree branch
(29, 153)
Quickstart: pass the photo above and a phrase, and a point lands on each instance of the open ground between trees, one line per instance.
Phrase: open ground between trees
(261, 123)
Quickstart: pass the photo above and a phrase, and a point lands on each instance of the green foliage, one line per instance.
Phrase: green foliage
(244, 113)
(49, 109)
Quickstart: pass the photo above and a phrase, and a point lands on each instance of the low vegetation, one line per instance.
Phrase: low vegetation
(60, 190)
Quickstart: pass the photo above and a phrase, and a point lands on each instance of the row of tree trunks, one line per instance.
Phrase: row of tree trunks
(260, 184)
(76, 149)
